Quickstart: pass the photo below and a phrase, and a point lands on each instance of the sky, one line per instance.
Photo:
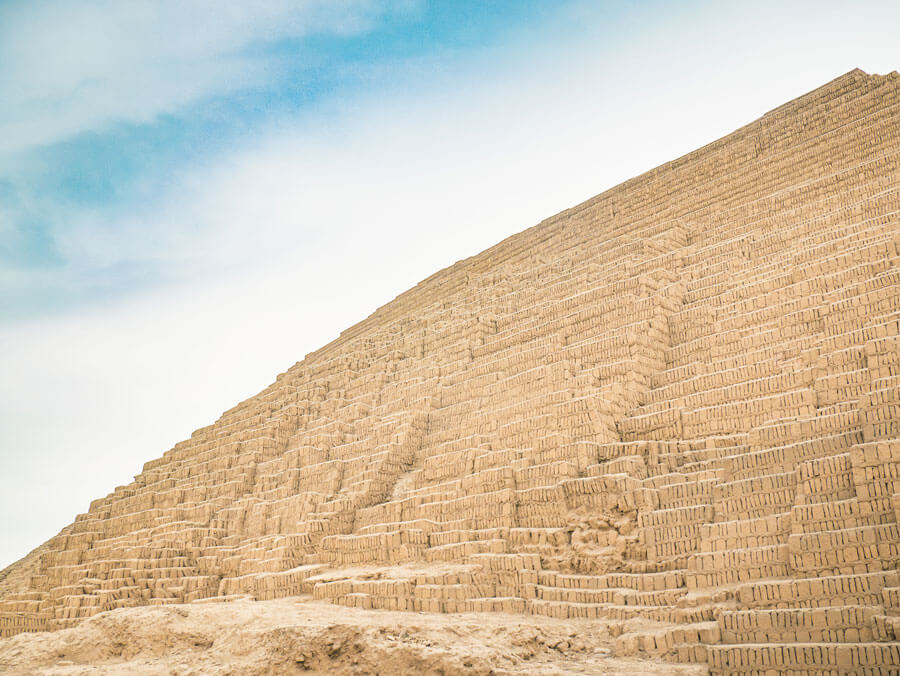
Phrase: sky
(196, 194)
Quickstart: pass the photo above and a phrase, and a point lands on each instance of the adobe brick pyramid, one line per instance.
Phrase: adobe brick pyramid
(678, 401)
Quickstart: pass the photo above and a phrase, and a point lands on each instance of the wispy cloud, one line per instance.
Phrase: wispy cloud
(79, 66)
(104, 103)
(119, 148)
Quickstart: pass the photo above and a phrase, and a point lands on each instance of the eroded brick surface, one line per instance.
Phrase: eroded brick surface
(678, 401)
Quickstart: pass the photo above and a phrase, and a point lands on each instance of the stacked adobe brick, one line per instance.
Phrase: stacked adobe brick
(676, 402)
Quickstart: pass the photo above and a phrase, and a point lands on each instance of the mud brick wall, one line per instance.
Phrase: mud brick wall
(678, 401)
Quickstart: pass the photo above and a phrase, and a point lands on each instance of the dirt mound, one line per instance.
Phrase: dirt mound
(292, 636)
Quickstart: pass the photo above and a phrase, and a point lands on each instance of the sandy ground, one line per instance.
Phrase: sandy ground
(290, 636)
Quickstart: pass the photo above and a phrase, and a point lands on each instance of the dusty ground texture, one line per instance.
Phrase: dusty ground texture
(290, 636)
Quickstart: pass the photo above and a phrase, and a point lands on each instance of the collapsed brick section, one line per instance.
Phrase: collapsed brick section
(678, 401)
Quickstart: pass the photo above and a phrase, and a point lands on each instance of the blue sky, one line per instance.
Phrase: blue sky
(195, 194)
(76, 148)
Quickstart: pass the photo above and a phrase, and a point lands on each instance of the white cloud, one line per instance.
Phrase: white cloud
(80, 65)
(288, 240)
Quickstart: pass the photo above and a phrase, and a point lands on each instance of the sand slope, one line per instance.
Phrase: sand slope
(296, 636)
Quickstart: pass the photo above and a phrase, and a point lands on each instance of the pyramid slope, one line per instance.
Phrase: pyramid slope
(676, 402)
